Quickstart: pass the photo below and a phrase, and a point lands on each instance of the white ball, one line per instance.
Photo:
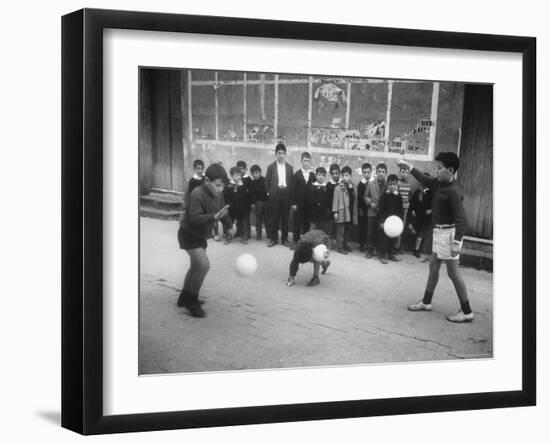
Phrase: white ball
(393, 226)
(246, 265)
(320, 253)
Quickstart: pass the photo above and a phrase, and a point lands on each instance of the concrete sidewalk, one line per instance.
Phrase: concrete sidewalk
(356, 315)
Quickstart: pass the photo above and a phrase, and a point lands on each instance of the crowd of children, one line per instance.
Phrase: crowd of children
(323, 215)
(332, 204)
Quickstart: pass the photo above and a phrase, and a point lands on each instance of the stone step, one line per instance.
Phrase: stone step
(159, 213)
(161, 201)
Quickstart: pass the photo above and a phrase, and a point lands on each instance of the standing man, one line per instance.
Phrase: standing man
(278, 180)
(301, 182)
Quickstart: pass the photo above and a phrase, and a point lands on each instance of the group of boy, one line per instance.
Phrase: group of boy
(323, 214)
(332, 206)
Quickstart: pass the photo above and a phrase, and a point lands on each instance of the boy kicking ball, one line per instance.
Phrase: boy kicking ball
(312, 247)
(449, 224)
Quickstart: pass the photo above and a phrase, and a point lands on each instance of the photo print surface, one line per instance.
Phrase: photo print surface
(304, 220)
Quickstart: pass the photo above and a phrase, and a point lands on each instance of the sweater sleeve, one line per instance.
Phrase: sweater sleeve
(459, 215)
(197, 211)
(422, 178)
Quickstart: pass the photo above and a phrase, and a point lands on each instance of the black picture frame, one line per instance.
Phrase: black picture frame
(82, 218)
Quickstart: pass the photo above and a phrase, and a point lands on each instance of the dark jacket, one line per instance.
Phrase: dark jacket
(361, 204)
(237, 196)
(298, 195)
(320, 205)
(418, 208)
(258, 190)
(247, 181)
(390, 204)
(272, 178)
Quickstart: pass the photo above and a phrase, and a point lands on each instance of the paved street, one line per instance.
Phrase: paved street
(357, 315)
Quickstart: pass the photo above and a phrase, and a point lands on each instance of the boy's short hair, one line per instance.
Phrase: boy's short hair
(234, 170)
(255, 168)
(198, 162)
(306, 155)
(280, 147)
(382, 166)
(334, 167)
(366, 166)
(215, 171)
(449, 160)
(241, 164)
(346, 170)
(320, 170)
(392, 178)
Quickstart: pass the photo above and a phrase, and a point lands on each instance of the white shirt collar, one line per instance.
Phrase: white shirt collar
(197, 177)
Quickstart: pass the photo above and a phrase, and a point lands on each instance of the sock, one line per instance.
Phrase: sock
(427, 298)
(466, 307)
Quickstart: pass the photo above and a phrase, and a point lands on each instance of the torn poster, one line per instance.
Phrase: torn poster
(331, 93)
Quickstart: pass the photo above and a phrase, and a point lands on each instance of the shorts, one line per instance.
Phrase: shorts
(190, 241)
(442, 241)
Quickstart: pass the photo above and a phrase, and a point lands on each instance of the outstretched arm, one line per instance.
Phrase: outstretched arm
(422, 178)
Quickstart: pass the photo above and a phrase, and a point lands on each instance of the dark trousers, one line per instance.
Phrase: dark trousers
(261, 218)
(386, 245)
(362, 220)
(372, 233)
(301, 222)
(279, 206)
(243, 226)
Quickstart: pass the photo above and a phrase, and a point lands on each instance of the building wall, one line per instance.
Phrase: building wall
(231, 122)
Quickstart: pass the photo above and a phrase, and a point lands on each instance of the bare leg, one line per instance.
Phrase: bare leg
(458, 282)
(433, 278)
(199, 267)
(316, 267)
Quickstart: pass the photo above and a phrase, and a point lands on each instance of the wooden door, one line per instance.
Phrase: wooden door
(475, 173)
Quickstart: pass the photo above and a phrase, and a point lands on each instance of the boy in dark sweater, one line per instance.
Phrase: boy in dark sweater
(319, 200)
(204, 208)
(237, 196)
(449, 224)
(259, 200)
(304, 253)
(390, 203)
(366, 170)
(247, 181)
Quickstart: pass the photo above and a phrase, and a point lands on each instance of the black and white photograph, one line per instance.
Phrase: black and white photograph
(297, 220)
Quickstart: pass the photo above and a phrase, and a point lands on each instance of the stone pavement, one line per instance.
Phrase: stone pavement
(357, 315)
